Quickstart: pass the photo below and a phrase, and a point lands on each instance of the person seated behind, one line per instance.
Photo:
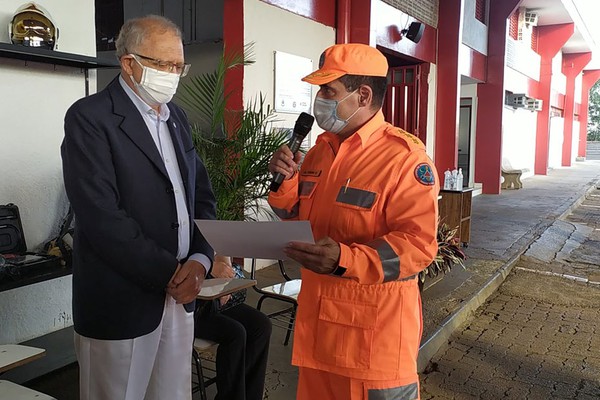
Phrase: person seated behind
(243, 334)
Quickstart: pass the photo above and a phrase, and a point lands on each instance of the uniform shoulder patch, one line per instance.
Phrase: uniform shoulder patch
(424, 174)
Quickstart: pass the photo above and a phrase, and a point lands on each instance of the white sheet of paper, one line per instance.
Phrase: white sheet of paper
(262, 239)
(217, 287)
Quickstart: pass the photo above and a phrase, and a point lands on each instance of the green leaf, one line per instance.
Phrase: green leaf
(449, 252)
(235, 146)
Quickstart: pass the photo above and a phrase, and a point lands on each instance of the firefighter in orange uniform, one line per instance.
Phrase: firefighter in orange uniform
(370, 193)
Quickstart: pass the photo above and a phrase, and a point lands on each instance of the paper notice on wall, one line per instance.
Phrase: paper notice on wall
(291, 94)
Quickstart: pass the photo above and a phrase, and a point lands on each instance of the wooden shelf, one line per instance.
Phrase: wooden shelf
(455, 211)
(35, 54)
(28, 275)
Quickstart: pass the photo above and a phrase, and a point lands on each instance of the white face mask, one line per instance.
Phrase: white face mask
(156, 87)
(325, 111)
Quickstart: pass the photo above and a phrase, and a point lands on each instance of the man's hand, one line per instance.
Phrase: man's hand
(284, 162)
(222, 267)
(186, 282)
(321, 257)
(224, 299)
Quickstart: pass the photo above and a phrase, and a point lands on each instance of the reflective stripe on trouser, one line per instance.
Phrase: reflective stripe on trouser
(315, 384)
(155, 366)
(408, 392)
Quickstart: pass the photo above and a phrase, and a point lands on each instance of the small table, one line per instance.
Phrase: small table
(455, 211)
(216, 287)
(13, 355)
(12, 391)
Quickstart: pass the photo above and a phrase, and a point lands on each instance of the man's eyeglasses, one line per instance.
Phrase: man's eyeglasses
(177, 68)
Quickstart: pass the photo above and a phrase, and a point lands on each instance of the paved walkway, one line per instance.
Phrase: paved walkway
(538, 337)
(503, 227)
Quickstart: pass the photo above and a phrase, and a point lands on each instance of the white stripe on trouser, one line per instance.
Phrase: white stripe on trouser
(150, 367)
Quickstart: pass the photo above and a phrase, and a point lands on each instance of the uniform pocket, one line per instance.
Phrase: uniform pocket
(354, 214)
(345, 333)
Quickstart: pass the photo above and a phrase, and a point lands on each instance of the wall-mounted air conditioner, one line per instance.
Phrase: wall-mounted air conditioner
(515, 100)
(531, 18)
(533, 104)
(527, 20)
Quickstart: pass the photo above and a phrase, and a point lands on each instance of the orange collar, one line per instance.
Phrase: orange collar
(368, 129)
(364, 133)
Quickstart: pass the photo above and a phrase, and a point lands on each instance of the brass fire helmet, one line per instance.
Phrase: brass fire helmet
(32, 25)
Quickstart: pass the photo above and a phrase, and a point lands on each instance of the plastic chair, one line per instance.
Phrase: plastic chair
(203, 346)
(287, 292)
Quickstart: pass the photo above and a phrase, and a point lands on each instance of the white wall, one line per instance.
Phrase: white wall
(34, 310)
(285, 32)
(35, 98)
(559, 81)
(520, 57)
(518, 139)
(556, 140)
(575, 145)
(474, 33)
(578, 88)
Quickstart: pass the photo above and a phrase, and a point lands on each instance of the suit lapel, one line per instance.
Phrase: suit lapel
(134, 126)
(174, 130)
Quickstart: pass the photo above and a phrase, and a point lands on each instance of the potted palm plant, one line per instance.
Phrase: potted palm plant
(235, 145)
(449, 253)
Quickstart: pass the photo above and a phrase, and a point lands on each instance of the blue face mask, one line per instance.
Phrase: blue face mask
(325, 111)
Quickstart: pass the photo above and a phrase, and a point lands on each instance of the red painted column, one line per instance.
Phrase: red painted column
(233, 41)
(448, 84)
(490, 101)
(590, 77)
(551, 38)
(353, 21)
(572, 66)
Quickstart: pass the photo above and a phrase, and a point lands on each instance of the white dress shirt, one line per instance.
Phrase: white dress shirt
(159, 130)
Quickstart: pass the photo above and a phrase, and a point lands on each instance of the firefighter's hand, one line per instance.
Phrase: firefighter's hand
(284, 162)
(321, 257)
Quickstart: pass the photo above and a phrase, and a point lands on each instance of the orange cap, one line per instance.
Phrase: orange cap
(348, 59)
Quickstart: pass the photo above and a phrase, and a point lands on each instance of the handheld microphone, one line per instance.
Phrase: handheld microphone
(301, 129)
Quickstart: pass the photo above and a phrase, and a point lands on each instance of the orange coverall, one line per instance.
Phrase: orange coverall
(375, 194)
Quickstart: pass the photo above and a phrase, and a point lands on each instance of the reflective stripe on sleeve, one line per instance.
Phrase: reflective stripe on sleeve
(408, 392)
(390, 261)
(285, 214)
(356, 197)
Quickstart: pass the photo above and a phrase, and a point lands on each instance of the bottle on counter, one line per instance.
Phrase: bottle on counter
(447, 180)
(454, 179)
(459, 180)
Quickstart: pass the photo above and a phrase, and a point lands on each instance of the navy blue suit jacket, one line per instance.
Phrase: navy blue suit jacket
(126, 240)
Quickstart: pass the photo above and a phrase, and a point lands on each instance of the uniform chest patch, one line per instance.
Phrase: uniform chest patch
(424, 174)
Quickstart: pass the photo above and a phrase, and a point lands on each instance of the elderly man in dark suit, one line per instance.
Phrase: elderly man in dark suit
(135, 183)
